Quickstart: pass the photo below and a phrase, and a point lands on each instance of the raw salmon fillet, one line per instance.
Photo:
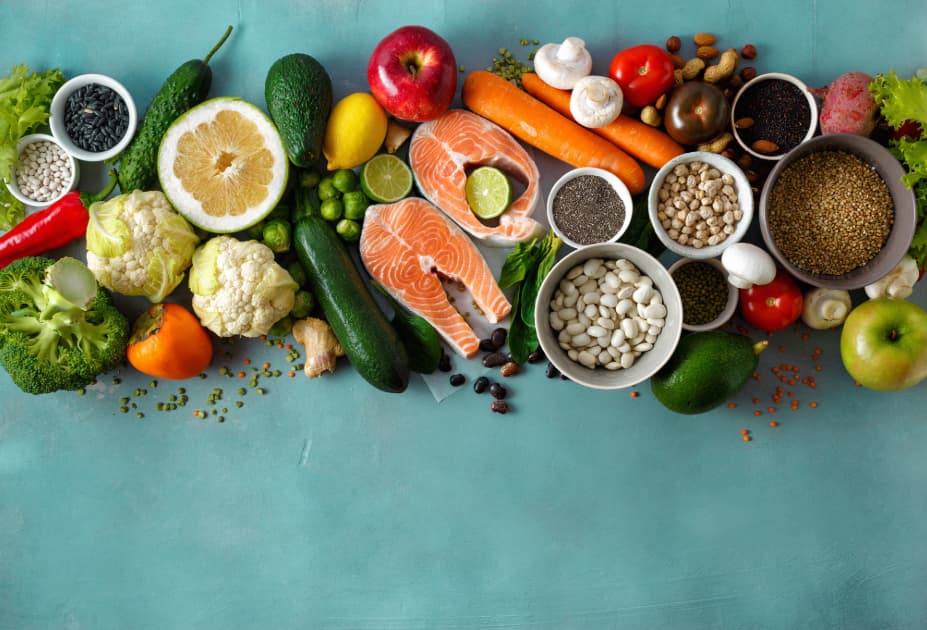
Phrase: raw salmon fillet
(441, 153)
(409, 246)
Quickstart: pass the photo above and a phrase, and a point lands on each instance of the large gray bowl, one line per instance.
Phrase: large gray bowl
(648, 363)
(905, 221)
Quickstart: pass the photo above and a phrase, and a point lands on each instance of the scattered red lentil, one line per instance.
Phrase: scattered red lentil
(771, 410)
(241, 375)
(813, 404)
(747, 438)
(745, 431)
(757, 412)
(773, 424)
(634, 394)
(291, 374)
(266, 364)
(731, 405)
(247, 361)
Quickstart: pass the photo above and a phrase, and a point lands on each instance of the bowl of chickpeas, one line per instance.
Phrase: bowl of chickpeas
(608, 316)
(700, 203)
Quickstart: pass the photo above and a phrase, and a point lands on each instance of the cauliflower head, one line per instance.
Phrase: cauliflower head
(238, 288)
(137, 244)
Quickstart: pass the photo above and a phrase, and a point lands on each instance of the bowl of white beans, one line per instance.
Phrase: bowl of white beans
(700, 203)
(608, 316)
(44, 172)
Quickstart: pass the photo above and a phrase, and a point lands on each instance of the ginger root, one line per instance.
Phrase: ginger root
(322, 348)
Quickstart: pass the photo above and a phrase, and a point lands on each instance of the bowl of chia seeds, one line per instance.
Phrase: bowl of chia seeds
(44, 172)
(708, 299)
(835, 213)
(772, 114)
(587, 206)
(93, 116)
(699, 203)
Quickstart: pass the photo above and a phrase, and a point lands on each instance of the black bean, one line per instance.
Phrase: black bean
(487, 345)
(536, 357)
(552, 372)
(495, 359)
(480, 384)
(499, 406)
(498, 391)
(458, 379)
(499, 336)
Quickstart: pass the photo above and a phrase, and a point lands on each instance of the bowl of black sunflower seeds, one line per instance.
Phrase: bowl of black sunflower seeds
(93, 116)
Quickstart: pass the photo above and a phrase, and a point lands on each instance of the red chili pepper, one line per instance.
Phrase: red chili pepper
(53, 227)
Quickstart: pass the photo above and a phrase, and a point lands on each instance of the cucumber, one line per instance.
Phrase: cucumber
(369, 340)
(298, 92)
(187, 86)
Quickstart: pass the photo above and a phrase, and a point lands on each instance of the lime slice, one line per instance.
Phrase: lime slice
(489, 192)
(385, 178)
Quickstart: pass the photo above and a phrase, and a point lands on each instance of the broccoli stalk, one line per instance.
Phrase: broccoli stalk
(58, 328)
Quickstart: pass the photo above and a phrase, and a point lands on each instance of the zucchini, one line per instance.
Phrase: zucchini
(187, 86)
(369, 340)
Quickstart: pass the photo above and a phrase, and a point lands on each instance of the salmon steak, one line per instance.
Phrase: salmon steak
(443, 151)
(409, 247)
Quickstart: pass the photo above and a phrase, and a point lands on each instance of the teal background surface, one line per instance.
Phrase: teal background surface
(327, 504)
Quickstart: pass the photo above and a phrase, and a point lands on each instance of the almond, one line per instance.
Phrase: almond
(743, 123)
(764, 146)
(707, 52)
(704, 39)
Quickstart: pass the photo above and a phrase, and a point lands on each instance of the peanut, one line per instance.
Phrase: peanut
(764, 146)
(724, 68)
(707, 52)
(673, 44)
(650, 116)
(677, 77)
(717, 145)
(692, 68)
(704, 39)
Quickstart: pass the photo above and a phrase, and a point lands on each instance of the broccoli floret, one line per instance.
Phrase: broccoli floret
(58, 328)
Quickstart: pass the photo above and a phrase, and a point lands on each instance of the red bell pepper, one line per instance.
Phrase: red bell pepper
(53, 227)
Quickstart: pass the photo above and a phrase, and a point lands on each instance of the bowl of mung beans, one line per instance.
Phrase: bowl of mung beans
(93, 116)
(608, 316)
(708, 299)
(44, 172)
(835, 213)
(699, 204)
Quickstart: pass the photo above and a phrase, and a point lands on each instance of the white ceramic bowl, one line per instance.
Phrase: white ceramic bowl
(57, 123)
(769, 76)
(617, 185)
(733, 295)
(744, 201)
(647, 363)
(72, 184)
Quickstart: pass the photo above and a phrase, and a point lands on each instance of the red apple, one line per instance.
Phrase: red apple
(413, 74)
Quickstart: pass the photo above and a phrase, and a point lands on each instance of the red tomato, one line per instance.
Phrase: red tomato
(772, 306)
(644, 72)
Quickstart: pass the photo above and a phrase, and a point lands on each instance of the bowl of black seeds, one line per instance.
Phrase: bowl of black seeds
(772, 114)
(708, 299)
(93, 116)
(587, 206)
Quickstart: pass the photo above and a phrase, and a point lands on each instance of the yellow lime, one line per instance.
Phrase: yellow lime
(386, 178)
(489, 192)
(355, 131)
(223, 165)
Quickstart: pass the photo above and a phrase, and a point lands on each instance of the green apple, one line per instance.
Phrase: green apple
(883, 344)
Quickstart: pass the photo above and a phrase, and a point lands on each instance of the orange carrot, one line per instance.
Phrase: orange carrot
(533, 122)
(649, 145)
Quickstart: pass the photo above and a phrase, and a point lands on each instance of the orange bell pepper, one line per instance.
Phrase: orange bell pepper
(168, 341)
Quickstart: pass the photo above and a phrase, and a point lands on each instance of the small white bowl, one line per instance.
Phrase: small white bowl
(770, 76)
(647, 363)
(744, 201)
(72, 184)
(617, 185)
(733, 295)
(57, 123)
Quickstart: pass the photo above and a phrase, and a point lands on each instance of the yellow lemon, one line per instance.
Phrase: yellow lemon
(222, 165)
(355, 131)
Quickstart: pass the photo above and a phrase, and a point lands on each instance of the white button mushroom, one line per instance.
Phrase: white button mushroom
(562, 65)
(897, 283)
(595, 101)
(747, 265)
(825, 308)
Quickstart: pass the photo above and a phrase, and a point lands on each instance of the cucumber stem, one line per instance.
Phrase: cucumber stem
(209, 55)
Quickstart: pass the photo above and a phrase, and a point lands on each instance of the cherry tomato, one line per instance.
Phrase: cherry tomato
(644, 72)
(696, 112)
(772, 306)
